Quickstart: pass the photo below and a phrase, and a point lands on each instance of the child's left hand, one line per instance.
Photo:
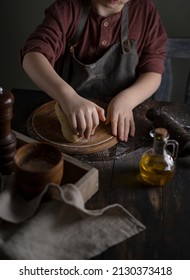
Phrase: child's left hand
(120, 115)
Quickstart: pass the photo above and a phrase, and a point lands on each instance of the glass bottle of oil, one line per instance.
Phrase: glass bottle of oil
(157, 165)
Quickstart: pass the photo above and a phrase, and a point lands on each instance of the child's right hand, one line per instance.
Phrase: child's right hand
(83, 115)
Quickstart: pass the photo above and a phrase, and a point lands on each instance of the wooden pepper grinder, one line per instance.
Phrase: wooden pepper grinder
(7, 137)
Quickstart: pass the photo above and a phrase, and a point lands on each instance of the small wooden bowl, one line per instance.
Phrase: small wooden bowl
(35, 166)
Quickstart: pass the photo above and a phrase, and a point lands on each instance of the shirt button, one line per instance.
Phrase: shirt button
(106, 23)
(104, 43)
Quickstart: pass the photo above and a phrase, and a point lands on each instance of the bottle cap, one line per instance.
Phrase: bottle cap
(160, 132)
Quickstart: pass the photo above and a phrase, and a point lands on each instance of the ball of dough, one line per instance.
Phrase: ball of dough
(65, 126)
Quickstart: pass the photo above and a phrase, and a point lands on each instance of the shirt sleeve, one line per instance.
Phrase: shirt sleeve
(51, 35)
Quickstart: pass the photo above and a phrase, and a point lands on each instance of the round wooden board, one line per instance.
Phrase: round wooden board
(43, 125)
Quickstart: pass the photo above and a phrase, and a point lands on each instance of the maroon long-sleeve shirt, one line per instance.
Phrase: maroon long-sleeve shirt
(60, 22)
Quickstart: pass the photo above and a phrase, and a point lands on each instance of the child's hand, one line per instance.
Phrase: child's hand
(120, 115)
(83, 115)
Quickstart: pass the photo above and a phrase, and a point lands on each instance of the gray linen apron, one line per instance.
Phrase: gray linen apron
(113, 72)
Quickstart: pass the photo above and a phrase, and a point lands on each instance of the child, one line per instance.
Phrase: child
(104, 49)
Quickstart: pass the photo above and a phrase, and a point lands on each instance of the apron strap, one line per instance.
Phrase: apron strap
(126, 46)
(81, 24)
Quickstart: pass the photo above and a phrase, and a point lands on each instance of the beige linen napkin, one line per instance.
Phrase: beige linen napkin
(62, 229)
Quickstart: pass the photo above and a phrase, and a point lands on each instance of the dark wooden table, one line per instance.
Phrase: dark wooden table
(165, 211)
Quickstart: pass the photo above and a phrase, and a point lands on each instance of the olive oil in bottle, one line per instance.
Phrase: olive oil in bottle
(157, 165)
